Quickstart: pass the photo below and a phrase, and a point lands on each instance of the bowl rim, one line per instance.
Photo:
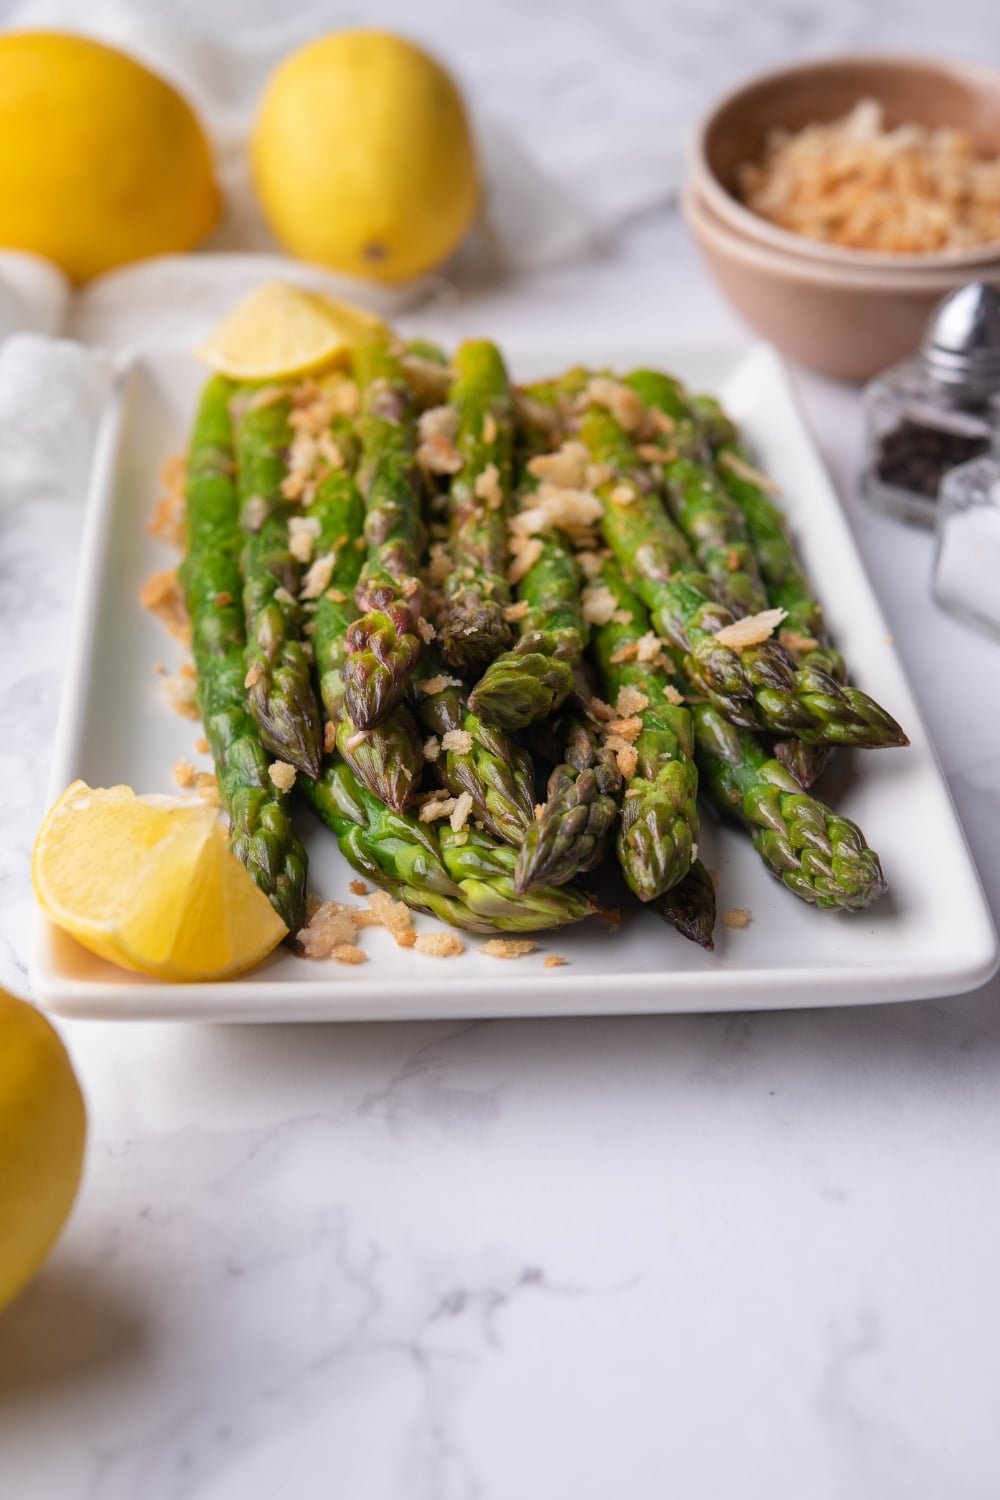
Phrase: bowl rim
(701, 219)
(727, 207)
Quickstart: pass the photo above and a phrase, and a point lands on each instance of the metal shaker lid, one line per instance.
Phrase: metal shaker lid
(962, 342)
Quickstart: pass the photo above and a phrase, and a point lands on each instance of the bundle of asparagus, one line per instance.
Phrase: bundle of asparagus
(499, 638)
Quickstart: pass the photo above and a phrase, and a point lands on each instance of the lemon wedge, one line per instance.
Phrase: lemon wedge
(150, 884)
(281, 331)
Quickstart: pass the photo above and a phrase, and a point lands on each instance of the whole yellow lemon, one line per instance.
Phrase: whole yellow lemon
(43, 1127)
(363, 157)
(101, 162)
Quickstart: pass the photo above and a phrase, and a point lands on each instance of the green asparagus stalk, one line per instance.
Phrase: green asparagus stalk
(383, 644)
(388, 758)
(260, 829)
(755, 686)
(689, 906)
(658, 835)
(476, 757)
(717, 531)
(701, 505)
(278, 678)
(570, 835)
(471, 624)
(819, 855)
(536, 676)
(465, 879)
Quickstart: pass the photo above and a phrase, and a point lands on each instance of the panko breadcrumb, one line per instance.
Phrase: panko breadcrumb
(457, 740)
(737, 916)
(555, 961)
(460, 812)
(163, 596)
(282, 775)
(855, 182)
(182, 773)
(358, 888)
(394, 916)
(630, 701)
(207, 787)
(751, 630)
(598, 605)
(181, 689)
(508, 947)
(439, 944)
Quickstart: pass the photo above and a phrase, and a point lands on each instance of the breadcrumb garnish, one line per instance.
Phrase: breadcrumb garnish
(508, 947)
(623, 494)
(460, 812)
(794, 640)
(394, 916)
(163, 596)
(207, 787)
(201, 745)
(566, 467)
(630, 701)
(329, 737)
(182, 692)
(425, 630)
(439, 944)
(671, 694)
(598, 605)
(489, 428)
(620, 400)
(737, 916)
(358, 888)
(516, 611)
(183, 773)
(316, 580)
(751, 630)
(168, 523)
(487, 487)
(282, 775)
(524, 560)
(554, 961)
(459, 740)
(254, 674)
(432, 685)
(437, 807)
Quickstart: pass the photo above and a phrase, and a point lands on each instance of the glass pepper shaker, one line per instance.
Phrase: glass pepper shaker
(936, 411)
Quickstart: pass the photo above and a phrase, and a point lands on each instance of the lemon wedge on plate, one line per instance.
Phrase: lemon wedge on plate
(151, 884)
(281, 331)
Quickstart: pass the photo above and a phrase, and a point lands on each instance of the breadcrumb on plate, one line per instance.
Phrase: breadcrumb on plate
(358, 888)
(630, 701)
(201, 745)
(439, 944)
(207, 787)
(181, 689)
(554, 961)
(460, 812)
(394, 916)
(671, 694)
(737, 916)
(598, 605)
(437, 807)
(182, 773)
(508, 947)
(163, 596)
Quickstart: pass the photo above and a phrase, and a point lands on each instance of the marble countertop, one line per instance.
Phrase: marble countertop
(744, 1256)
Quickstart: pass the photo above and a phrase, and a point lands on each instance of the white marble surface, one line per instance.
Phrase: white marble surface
(697, 1257)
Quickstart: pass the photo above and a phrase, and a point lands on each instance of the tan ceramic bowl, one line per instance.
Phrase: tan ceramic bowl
(845, 321)
(914, 91)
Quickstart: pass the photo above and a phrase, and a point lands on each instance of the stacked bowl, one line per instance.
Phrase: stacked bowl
(842, 311)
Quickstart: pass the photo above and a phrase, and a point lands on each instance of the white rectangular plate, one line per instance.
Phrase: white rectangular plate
(931, 935)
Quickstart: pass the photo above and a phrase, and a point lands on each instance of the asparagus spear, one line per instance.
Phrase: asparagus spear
(756, 686)
(260, 828)
(659, 824)
(717, 530)
(536, 676)
(278, 680)
(472, 627)
(819, 855)
(478, 758)
(701, 505)
(383, 644)
(388, 758)
(572, 832)
(466, 880)
(690, 906)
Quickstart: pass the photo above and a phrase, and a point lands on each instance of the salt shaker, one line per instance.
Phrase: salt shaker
(967, 564)
(937, 411)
